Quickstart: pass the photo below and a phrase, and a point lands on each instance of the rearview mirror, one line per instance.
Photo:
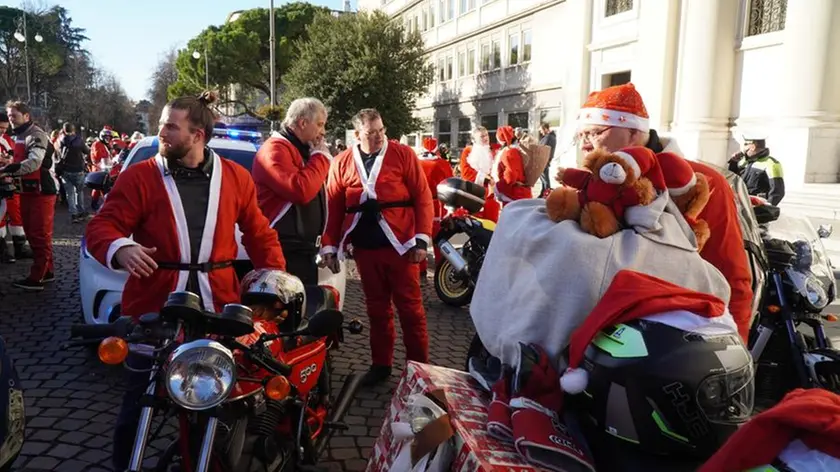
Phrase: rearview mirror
(324, 323)
(98, 181)
(825, 231)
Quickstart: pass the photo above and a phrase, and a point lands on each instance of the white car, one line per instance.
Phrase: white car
(101, 288)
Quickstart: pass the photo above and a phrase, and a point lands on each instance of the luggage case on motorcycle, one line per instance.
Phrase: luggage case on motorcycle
(459, 193)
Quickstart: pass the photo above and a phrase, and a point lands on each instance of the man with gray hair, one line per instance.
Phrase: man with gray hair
(290, 171)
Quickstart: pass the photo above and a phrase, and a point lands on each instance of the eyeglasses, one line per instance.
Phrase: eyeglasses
(374, 132)
(592, 134)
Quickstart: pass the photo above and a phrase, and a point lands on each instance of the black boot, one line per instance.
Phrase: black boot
(7, 252)
(21, 249)
(376, 374)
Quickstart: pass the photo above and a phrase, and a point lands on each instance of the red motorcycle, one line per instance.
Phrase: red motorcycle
(247, 397)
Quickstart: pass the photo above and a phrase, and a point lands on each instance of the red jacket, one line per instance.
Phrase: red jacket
(467, 172)
(436, 171)
(617, 197)
(282, 179)
(98, 152)
(725, 247)
(145, 203)
(510, 172)
(396, 176)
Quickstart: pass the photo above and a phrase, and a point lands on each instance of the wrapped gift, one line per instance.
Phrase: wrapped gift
(466, 405)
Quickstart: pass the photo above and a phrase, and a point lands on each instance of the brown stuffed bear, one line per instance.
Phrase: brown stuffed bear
(689, 190)
(598, 194)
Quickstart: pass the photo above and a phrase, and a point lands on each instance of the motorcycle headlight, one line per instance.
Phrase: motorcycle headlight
(200, 375)
(728, 397)
(811, 289)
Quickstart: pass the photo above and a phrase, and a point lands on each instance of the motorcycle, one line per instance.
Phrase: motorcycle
(799, 285)
(246, 395)
(457, 274)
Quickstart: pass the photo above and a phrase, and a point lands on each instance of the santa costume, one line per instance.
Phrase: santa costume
(622, 106)
(800, 434)
(11, 221)
(476, 165)
(381, 204)
(436, 170)
(509, 170)
(145, 204)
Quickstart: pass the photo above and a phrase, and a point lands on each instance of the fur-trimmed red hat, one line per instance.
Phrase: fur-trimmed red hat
(643, 162)
(430, 144)
(620, 106)
(679, 176)
(505, 134)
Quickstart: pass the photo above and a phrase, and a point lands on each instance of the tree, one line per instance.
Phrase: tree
(163, 77)
(238, 52)
(360, 61)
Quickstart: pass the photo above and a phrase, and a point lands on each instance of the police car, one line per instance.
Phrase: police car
(101, 288)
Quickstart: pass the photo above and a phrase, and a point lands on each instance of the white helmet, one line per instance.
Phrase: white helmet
(271, 285)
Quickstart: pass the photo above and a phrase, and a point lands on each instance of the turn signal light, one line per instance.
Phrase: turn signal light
(830, 317)
(774, 308)
(277, 388)
(113, 350)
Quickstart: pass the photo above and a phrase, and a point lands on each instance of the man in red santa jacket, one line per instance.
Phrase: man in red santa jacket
(182, 228)
(10, 219)
(436, 170)
(616, 118)
(508, 169)
(380, 203)
(476, 166)
(290, 171)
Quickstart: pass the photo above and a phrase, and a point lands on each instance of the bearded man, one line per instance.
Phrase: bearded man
(476, 166)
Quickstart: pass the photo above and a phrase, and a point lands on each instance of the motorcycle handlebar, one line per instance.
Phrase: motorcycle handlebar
(121, 328)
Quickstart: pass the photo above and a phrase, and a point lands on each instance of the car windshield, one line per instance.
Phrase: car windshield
(240, 156)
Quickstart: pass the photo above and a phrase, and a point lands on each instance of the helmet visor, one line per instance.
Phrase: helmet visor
(728, 397)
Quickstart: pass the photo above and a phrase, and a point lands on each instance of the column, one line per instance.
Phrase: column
(576, 27)
(705, 75)
(806, 138)
(655, 68)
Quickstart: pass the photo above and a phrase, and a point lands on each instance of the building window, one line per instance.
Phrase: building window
(552, 116)
(416, 23)
(485, 57)
(467, 6)
(431, 16)
(462, 64)
(526, 45)
(471, 61)
(411, 140)
(518, 120)
(450, 4)
(464, 130)
(497, 54)
(616, 78)
(766, 16)
(491, 122)
(614, 7)
(445, 132)
(441, 71)
(449, 67)
(425, 20)
(513, 59)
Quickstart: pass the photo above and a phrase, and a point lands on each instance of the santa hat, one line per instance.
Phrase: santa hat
(644, 164)
(620, 106)
(107, 128)
(811, 416)
(505, 134)
(631, 296)
(678, 174)
(430, 144)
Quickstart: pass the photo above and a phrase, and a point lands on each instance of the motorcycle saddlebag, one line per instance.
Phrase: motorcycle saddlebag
(459, 193)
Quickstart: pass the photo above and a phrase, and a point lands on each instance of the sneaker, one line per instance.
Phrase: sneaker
(29, 285)
(48, 277)
(376, 374)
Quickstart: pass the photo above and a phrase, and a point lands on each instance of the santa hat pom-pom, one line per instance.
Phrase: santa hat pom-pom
(574, 380)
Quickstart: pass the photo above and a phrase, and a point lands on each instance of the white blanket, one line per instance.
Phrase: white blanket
(540, 279)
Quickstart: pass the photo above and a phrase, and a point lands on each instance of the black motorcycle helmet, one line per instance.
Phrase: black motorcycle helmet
(665, 391)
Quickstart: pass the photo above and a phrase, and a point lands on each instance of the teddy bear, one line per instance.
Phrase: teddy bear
(597, 194)
(689, 191)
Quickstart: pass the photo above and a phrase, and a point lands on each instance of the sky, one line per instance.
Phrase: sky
(128, 38)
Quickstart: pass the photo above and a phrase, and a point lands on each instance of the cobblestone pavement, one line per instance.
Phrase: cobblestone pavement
(72, 400)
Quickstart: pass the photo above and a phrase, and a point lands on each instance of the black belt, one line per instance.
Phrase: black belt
(203, 267)
(374, 207)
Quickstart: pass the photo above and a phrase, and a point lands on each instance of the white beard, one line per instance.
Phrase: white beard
(481, 159)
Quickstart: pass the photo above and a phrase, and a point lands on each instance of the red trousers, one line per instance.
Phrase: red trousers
(491, 209)
(38, 212)
(15, 222)
(387, 276)
(439, 213)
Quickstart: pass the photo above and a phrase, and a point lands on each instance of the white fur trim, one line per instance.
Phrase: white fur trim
(613, 173)
(16, 230)
(676, 192)
(424, 237)
(205, 251)
(687, 321)
(115, 246)
(322, 153)
(328, 250)
(2, 232)
(280, 215)
(631, 161)
(574, 381)
(3, 207)
(181, 228)
(619, 119)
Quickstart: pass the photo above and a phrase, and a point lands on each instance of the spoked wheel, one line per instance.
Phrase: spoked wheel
(450, 287)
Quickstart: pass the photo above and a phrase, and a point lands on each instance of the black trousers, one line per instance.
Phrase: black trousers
(301, 264)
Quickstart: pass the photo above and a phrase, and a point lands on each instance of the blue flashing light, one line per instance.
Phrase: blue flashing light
(237, 134)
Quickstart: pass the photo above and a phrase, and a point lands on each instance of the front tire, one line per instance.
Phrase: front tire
(451, 288)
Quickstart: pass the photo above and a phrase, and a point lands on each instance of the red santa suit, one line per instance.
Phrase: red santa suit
(469, 172)
(508, 170)
(436, 171)
(10, 218)
(99, 153)
(145, 203)
(395, 178)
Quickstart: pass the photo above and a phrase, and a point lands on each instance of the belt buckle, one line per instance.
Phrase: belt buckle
(318, 241)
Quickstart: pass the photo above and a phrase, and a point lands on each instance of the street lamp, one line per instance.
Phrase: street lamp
(24, 38)
(197, 55)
